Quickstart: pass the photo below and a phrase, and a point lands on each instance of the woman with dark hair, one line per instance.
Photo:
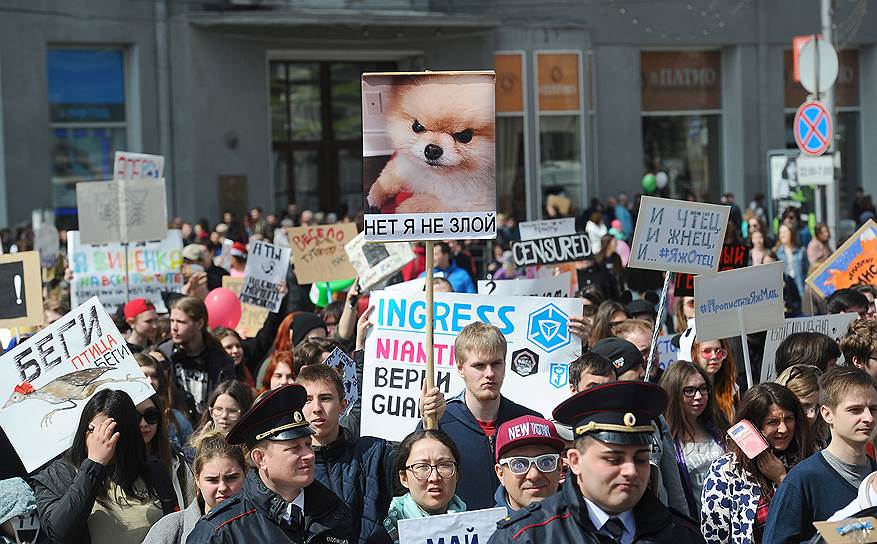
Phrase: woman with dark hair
(426, 463)
(179, 428)
(153, 428)
(229, 401)
(738, 490)
(716, 360)
(611, 260)
(695, 424)
(106, 489)
(807, 348)
(609, 313)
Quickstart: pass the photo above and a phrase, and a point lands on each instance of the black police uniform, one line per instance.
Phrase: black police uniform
(612, 413)
(258, 514)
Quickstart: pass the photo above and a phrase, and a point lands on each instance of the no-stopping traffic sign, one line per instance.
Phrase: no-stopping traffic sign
(812, 128)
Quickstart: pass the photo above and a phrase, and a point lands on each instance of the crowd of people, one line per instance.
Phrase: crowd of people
(251, 438)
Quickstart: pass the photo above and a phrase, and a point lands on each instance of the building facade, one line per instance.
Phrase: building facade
(257, 103)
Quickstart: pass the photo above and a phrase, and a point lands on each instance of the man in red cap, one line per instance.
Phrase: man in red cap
(142, 322)
(527, 462)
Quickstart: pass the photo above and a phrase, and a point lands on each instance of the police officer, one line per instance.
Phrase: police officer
(280, 501)
(605, 499)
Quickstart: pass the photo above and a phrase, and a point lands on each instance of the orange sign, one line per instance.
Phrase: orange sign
(681, 80)
(509, 82)
(558, 77)
(798, 43)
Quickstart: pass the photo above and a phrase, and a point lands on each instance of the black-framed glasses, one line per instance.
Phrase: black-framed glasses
(521, 465)
(151, 416)
(422, 471)
(690, 392)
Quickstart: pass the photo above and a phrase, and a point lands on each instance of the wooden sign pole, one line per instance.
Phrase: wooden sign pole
(431, 422)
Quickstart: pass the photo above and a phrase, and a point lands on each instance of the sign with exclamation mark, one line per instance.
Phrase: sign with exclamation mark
(12, 291)
(21, 298)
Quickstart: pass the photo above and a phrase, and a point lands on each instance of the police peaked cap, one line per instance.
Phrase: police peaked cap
(614, 413)
(276, 416)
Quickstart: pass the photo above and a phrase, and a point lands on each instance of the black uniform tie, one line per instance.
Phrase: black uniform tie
(613, 528)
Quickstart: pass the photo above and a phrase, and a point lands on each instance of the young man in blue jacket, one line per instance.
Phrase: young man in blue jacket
(459, 279)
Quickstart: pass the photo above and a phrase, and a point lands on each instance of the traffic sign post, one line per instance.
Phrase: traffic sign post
(813, 128)
(817, 66)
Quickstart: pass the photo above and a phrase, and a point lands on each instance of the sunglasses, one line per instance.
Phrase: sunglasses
(718, 352)
(151, 416)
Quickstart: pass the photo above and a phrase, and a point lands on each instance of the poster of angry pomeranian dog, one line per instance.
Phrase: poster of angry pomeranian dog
(429, 169)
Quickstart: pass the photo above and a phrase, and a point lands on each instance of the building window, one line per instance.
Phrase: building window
(681, 120)
(511, 149)
(560, 121)
(316, 133)
(87, 118)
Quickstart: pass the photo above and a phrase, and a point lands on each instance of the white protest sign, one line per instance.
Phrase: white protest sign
(122, 211)
(834, 325)
(133, 166)
(551, 286)
(99, 270)
(754, 293)
(345, 366)
(412, 286)
(375, 262)
(667, 352)
(678, 236)
(540, 348)
(45, 382)
(267, 265)
(547, 228)
(462, 528)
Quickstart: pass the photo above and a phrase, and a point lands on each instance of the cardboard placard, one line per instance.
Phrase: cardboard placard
(561, 203)
(345, 366)
(123, 211)
(318, 252)
(834, 325)
(21, 290)
(99, 270)
(46, 381)
(855, 261)
(552, 286)
(375, 262)
(831, 531)
(750, 298)
(733, 257)
(464, 527)
(540, 349)
(555, 250)
(267, 266)
(547, 228)
(429, 167)
(678, 236)
(136, 166)
(252, 317)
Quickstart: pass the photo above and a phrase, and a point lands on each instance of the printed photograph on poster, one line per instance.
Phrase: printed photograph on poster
(345, 366)
(135, 166)
(21, 291)
(547, 228)
(429, 155)
(834, 325)
(266, 267)
(252, 317)
(375, 262)
(733, 257)
(460, 528)
(551, 286)
(124, 211)
(43, 393)
(855, 261)
(318, 252)
(99, 270)
(555, 250)
(678, 236)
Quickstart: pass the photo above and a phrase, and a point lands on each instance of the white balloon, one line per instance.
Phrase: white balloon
(661, 178)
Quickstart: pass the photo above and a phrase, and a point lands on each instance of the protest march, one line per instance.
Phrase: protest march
(430, 368)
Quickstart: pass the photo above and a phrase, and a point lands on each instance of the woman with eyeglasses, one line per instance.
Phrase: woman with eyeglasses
(715, 359)
(737, 492)
(225, 406)
(803, 382)
(153, 428)
(697, 428)
(683, 311)
(426, 463)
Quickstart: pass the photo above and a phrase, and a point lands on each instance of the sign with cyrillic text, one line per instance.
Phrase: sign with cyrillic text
(461, 528)
(733, 257)
(550, 286)
(738, 301)
(555, 250)
(267, 265)
(540, 348)
(133, 166)
(99, 270)
(667, 352)
(834, 325)
(855, 261)
(375, 262)
(547, 228)
(252, 317)
(318, 252)
(678, 236)
(21, 292)
(46, 381)
(122, 211)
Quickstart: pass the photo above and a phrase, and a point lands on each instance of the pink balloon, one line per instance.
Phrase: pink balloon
(223, 308)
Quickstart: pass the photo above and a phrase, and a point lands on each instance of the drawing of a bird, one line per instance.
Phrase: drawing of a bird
(64, 390)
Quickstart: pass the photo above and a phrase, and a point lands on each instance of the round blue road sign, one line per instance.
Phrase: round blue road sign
(813, 129)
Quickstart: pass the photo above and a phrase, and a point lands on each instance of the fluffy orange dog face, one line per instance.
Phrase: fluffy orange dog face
(444, 125)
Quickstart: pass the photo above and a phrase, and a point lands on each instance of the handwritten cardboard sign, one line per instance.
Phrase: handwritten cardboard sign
(554, 250)
(318, 252)
(45, 382)
(375, 262)
(266, 267)
(21, 291)
(134, 166)
(99, 270)
(678, 236)
(834, 325)
(551, 286)
(547, 228)
(464, 527)
(122, 211)
(252, 317)
(855, 261)
(733, 257)
(746, 300)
